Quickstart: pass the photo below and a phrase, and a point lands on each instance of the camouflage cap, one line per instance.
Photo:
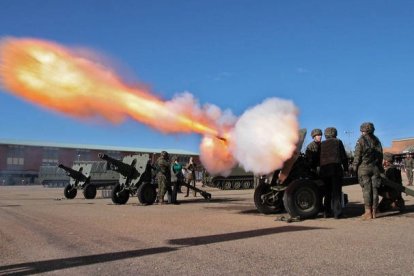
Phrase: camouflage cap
(330, 132)
(164, 154)
(367, 127)
(315, 132)
(388, 156)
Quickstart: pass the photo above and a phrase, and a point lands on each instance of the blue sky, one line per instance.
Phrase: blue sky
(341, 62)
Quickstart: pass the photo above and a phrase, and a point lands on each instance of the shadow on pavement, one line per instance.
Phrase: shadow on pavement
(239, 235)
(57, 264)
(212, 200)
(30, 268)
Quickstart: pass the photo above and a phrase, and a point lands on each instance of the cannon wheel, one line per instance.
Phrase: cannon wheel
(302, 199)
(146, 194)
(89, 192)
(70, 192)
(117, 197)
(270, 205)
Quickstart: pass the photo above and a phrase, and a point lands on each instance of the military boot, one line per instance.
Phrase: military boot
(368, 213)
(374, 212)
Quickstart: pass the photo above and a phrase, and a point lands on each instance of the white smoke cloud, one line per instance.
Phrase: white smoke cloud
(262, 139)
(266, 136)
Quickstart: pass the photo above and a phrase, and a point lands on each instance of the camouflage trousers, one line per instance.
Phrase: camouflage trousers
(409, 173)
(163, 186)
(370, 180)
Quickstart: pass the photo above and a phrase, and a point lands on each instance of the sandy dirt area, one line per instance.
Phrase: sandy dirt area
(42, 232)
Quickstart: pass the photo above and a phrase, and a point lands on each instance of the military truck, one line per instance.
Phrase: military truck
(238, 179)
(88, 176)
(295, 189)
(53, 176)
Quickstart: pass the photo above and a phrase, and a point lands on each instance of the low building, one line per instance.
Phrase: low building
(401, 146)
(20, 161)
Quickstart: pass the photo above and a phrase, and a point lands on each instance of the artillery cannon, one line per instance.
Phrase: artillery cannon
(135, 178)
(77, 175)
(81, 178)
(295, 189)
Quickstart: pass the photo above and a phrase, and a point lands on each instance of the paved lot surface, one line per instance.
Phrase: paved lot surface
(41, 232)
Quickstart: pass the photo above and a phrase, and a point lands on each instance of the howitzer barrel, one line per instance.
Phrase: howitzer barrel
(119, 166)
(386, 182)
(396, 186)
(77, 175)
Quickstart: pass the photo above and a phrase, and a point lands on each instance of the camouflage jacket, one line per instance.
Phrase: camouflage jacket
(163, 166)
(408, 163)
(368, 152)
(312, 154)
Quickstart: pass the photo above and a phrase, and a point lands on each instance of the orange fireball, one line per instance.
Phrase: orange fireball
(59, 78)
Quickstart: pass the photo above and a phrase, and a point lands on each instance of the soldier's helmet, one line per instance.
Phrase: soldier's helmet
(367, 127)
(164, 154)
(330, 132)
(315, 132)
(388, 156)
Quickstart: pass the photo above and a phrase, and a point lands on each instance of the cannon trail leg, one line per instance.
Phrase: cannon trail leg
(203, 193)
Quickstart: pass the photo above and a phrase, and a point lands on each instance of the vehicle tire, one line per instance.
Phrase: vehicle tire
(302, 199)
(146, 194)
(119, 197)
(270, 204)
(89, 192)
(237, 185)
(227, 185)
(246, 184)
(70, 192)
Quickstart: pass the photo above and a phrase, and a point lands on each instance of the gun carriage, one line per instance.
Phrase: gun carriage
(87, 176)
(135, 178)
(297, 190)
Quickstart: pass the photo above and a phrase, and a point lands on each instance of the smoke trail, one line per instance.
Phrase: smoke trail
(78, 84)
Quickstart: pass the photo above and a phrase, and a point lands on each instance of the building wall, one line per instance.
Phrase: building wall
(3, 157)
(32, 158)
(36, 156)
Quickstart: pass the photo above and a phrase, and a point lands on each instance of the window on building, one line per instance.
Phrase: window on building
(15, 157)
(83, 155)
(50, 156)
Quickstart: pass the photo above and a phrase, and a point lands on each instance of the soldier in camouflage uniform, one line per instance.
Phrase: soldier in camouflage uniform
(368, 164)
(408, 163)
(333, 163)
(163, 175)
(313, 151)
(391, 198)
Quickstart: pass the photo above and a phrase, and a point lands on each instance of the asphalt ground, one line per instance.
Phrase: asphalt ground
(41, 232)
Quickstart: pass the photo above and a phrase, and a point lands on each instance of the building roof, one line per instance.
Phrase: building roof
(92, 147)
(403, 139)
